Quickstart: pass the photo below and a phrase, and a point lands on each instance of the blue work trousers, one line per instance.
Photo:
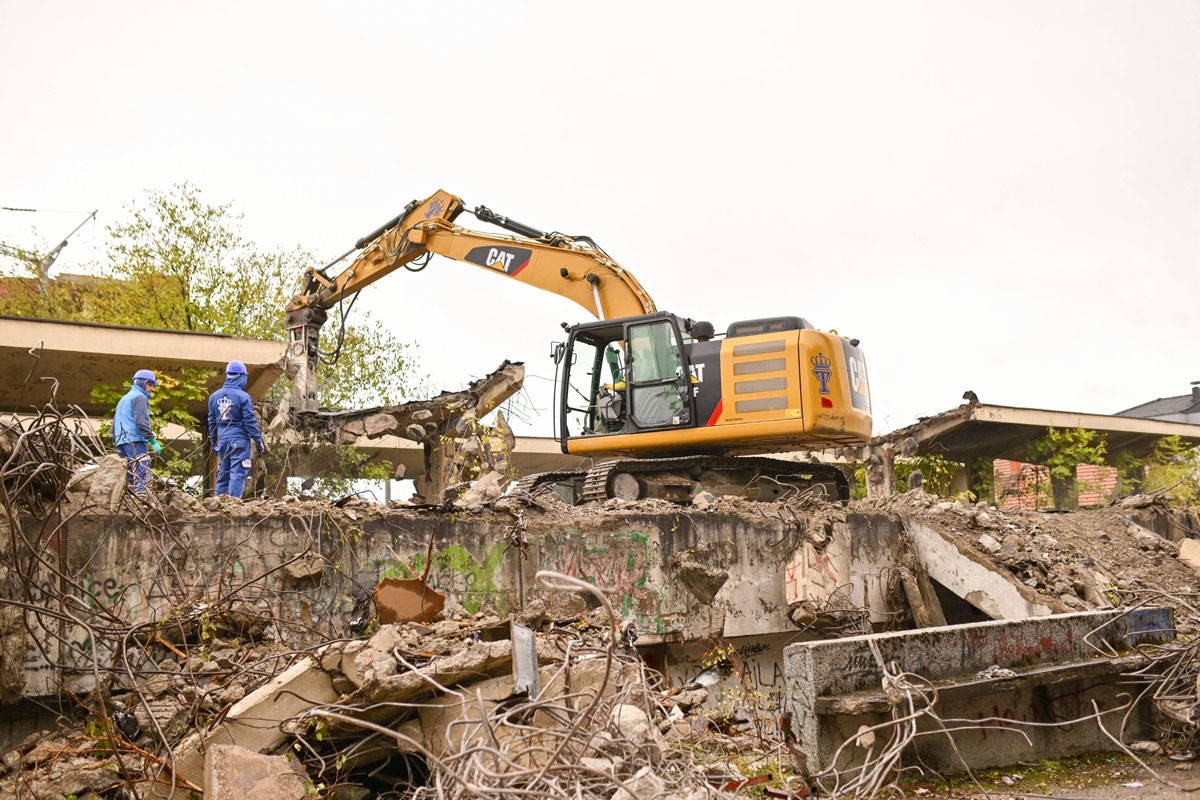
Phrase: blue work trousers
(234, 466)
(137, 454)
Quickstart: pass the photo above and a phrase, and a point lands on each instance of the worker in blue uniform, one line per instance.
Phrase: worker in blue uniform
(131, 429)
(232, 430)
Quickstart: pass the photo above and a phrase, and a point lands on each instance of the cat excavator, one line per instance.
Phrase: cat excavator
(672, 407)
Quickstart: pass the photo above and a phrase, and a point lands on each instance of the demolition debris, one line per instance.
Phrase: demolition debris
(159, 646)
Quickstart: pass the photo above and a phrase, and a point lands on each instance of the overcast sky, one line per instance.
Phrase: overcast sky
(1002, 197)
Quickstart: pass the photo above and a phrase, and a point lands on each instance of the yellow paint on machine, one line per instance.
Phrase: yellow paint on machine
(771, 400)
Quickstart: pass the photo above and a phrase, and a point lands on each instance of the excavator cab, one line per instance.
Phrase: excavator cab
(625, 376)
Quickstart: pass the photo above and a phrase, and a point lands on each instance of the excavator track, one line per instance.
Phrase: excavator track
(557, 478)
(681, 479)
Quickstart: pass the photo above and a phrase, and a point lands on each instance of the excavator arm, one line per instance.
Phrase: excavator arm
(573, 267)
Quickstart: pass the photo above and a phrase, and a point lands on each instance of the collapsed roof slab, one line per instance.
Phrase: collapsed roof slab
(411, 435)
(976, 429)
(35, 353)
(531, 454)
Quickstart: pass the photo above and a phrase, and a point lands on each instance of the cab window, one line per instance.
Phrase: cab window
(656, 371)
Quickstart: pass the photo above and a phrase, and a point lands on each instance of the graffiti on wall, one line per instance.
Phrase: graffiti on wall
(810, 575)
(619, 561)
(751, 687)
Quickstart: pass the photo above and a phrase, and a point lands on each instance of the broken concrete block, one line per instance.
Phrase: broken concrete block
(1189, 553)
(104, 483)
(375, 661)
(478, 661)
(634, 724)
(989, 543)
(255, 721)
(307, 565)
(601, 765)
(378, 425)
(347, 664)
(441, 729)
(447, 627)
(330, 656)
(1145, 537)
(414, 432)
(487, 488)
(643, 784)
(703, 500)
(701, 580)
(235, 773)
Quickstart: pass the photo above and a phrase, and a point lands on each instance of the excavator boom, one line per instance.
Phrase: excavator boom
(572, 267)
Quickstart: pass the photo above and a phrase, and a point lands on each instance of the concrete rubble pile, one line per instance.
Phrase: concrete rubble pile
(1133, 552)
(294, 648)
(411, 709)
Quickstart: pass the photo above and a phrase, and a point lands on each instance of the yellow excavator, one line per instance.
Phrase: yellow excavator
(676, 406)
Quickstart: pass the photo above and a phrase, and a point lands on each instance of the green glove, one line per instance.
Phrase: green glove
(155, 446)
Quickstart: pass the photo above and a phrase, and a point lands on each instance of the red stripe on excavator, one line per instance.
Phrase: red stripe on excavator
(716, 415)
(520, 266)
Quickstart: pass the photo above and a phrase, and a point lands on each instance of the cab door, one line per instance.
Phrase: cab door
(658, 384)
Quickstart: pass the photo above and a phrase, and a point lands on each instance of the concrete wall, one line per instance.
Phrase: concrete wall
(316, 568)
(987, 715)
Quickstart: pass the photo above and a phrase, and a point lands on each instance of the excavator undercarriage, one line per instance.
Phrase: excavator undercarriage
(682, 479)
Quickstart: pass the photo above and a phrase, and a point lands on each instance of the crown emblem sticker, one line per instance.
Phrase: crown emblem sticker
(821, 371)
(436, 207)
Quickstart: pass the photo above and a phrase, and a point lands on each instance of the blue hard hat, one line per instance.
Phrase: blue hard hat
(235, 368)
(145, 375)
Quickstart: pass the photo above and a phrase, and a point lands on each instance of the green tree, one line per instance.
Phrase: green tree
(937, 473)
(178, 262)
(1060, 452)
(1171, 467)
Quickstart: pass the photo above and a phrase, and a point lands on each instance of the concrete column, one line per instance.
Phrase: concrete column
(880, 467)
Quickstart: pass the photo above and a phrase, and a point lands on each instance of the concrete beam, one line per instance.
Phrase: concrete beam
(36, 353)
(974, 429)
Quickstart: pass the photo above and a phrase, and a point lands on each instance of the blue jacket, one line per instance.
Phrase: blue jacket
(131, 420)
(231, 414)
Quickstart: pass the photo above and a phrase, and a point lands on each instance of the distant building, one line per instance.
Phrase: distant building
(1027, 486)
(1184, 408)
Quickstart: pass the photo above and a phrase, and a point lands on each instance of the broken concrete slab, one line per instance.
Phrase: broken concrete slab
(835, 687)
(971, 577)
(446, 721)
(237, 773)
(480, 660)
(256, 721)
